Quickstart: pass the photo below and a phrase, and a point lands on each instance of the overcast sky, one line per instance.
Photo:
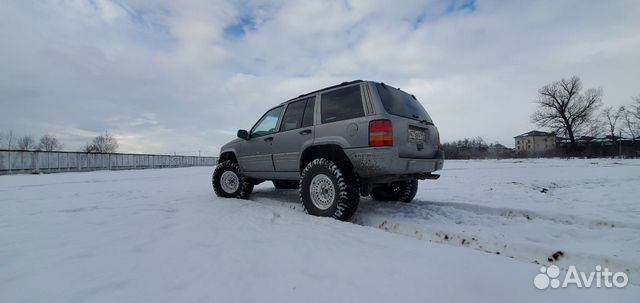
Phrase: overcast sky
(182, 76)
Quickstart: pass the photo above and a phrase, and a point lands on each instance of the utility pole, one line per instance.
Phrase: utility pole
(198, 153)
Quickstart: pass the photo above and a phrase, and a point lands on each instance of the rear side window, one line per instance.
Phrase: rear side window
(307, 120)
(341, 104)
(293, 115)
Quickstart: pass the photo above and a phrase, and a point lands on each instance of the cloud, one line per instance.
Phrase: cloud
(167, 76)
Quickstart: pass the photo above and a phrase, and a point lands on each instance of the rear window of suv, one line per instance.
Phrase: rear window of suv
(341, 104)
(399, 103)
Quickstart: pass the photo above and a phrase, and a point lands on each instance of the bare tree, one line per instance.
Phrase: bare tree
(26, 143)
(102, 144)
(611, 117)
(630, 122)
(636, 107)
(9, 139)
(631, 118)
(49, 143)
(634, 111)
(564, 109)
(88, 148)
(595, 128)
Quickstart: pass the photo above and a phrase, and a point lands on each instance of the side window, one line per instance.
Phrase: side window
(293, 115)
(307, 120)
(267, 124)
(341, 104)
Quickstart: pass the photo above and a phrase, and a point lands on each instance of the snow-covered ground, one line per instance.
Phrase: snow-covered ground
(477, 233)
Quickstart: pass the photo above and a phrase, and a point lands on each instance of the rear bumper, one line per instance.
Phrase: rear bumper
(372, 162)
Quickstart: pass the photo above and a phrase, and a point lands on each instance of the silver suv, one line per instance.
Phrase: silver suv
(334, 145)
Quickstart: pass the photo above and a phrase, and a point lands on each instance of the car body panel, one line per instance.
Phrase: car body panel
(288, 147)
(374, 162)
(255, 154)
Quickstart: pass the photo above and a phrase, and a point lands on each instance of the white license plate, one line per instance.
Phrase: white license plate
(416, 135)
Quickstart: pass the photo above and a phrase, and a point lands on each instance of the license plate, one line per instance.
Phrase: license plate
(416, 135)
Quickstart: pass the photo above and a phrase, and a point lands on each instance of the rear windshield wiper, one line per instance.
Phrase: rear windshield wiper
(423, 121)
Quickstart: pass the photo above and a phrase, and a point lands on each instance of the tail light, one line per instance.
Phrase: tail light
(440, 147)
(380, 133)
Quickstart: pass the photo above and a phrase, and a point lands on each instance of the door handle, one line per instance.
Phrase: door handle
(268, 139)
(305, 132)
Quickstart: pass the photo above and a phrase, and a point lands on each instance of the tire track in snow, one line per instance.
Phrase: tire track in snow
(514, 233)
(511, 233)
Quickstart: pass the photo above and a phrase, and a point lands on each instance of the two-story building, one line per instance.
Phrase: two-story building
(535, 142)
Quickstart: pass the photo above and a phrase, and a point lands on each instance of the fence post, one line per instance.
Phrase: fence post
(35, 162)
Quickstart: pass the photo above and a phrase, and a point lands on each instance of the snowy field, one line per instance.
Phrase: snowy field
(480, 232)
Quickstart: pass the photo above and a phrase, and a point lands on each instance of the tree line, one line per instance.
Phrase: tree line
(104, 143)
(476, 148)
(9, 140)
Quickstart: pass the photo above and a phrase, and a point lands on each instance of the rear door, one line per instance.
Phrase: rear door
(296, 132)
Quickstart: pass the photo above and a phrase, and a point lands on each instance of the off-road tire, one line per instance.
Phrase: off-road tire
(403, 191)
(345, 184)
(286, 184)
(245, 186)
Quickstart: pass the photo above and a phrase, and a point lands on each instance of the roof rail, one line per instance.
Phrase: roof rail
(326, 88)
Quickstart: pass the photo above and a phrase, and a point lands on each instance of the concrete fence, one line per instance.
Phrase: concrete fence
(21, 162)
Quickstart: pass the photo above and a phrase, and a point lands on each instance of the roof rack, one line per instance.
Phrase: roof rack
(326, 88)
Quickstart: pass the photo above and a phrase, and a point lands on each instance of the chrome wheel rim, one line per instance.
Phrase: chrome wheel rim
(322, 192)
(229, 182)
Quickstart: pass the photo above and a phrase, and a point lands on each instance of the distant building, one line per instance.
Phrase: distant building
(535, 142)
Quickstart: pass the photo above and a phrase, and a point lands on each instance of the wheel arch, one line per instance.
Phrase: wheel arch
(228, 156)
(333, 152)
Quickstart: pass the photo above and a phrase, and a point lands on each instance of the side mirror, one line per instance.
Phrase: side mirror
(243, 134)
